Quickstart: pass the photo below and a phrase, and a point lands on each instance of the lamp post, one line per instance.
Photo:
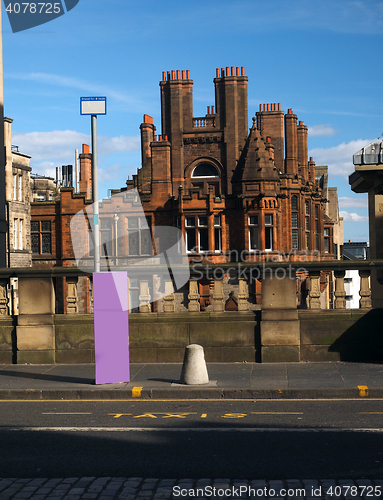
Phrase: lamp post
(3, 221)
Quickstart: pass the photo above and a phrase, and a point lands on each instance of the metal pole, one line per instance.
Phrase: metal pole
(96, 226)
(3, 221)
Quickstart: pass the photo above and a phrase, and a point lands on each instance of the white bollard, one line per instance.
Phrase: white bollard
(194, 371)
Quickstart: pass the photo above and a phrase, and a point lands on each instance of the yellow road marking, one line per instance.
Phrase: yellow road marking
(363, 391)
(136, 392)
(204, 415)
(371, 412)
(234, 415)
(118, 415)
(220, 400)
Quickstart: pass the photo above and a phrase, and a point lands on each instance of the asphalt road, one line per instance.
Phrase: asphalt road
(212, 439)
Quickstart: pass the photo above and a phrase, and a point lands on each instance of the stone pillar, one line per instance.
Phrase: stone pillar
(218, 302)
(314, 301)
(71, 299)
(169, 298)
(280, 327)
(194, 296)
(340, 294)
(4, 302)
(365, 291)
(243, 295)
(35, 330)
(144, 298)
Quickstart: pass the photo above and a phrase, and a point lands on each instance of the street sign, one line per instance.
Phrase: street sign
(93, 105)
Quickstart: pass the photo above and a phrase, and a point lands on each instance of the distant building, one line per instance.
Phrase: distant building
(254, 193)
(353, 251)
(18, 199)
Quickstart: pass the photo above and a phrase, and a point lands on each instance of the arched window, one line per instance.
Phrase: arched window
(205, 170)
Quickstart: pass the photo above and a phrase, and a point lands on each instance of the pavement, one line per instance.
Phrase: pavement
(227, 381)
(135, 488)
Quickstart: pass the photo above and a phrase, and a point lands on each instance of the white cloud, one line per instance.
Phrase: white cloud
(74, 83)
(352, 217)
(339, 158)
(345, 202)
(53, 149)
(325, 129)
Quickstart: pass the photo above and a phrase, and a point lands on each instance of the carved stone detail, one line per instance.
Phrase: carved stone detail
(194, 296)
(340, 293)
(314, 294)
(144, 298)
(218, 302)
(365, 290)
(169, 298)
(243, 295)
(72, 305)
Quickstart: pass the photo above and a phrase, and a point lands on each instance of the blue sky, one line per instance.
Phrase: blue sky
(322, 58)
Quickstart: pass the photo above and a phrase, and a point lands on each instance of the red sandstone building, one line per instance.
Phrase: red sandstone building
(233, 192)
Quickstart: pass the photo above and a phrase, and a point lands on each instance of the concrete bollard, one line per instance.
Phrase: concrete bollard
(194, 371)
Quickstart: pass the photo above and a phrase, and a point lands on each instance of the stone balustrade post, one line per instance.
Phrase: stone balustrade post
(365, 301)
(218, 302)
(35, 330)
(71, 299)
(169, 298)
(144, 298)
(194, 296)
(243, 295)
(4, 301)
(340, 293)
(314, 295)
(280, 326)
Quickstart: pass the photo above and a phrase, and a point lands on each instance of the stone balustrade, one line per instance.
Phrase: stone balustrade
(46, 314)
(230, 286)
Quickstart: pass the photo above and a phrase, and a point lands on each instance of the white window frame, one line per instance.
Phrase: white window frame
(20, 179)
(15, 234)
(21, 226)
(14, 187)
(269, 227)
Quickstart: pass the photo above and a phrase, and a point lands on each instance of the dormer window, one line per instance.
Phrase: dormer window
(205, 170)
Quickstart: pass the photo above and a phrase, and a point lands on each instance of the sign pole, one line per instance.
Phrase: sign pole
(96, 225)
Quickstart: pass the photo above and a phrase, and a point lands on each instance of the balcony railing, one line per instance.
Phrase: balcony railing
(204, 122)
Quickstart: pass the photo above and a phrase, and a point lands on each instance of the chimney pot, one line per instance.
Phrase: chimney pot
(188, 74)
(217, 72)
(227, 71)
(85, 149)
(208, 110)
(268, 107)
(212, 110)
(163, 76)
(178, 74)
(183, 74)
(238, 71)
(232, 71)
(222, 72)
(243, 71)
(173, 75)
(279, 106)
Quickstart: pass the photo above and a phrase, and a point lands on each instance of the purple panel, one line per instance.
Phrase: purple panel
(111, 328)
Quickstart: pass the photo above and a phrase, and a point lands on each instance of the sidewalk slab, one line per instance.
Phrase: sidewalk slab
(231, 381)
